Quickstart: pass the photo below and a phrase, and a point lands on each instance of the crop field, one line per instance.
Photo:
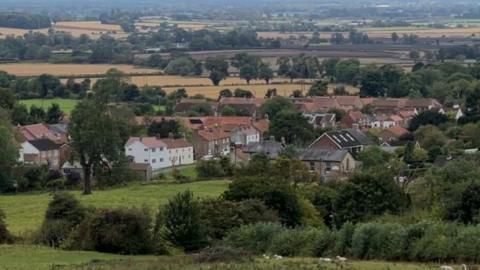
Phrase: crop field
(24, 212)
(66, 105)
(33, 69)
(196, 81)
(77, 28)
(386, 32)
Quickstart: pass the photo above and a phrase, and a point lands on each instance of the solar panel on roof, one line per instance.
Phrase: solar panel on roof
(350, 136)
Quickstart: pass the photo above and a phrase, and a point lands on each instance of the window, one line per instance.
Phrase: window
(176, 151)
(161, 148)
(146, 160)
(161, 159)
(154, 160)
(312, 165)
(129, 149)
(146, 149)
(153, 150)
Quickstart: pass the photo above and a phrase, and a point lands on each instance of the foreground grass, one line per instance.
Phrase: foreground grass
(25, 212)
(188, 263)
(23, 257)
(66, 105)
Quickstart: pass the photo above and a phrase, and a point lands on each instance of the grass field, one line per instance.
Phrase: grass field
(66, 105)
(24, 257)
(24, 212)
(421, 31)
(33, 69)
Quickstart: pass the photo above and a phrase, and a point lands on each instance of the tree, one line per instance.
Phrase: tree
(242, 93)
(228, 111)
(225, 93)
(371, 80)
(318, 88)
(395, 37)
(273, 106)
(384, 195)
(466, 208)
(218, 68)
(291, 126)
(265, 73)
(415, 55)
(54, 114)
(95, 137)
(7, 99)
(37, 114)
(373, 157)
(164, 129)
(248, 73)
(426, 118)
(430, 136)
(19, 115)
(271, 93)
(183, 226)
(8, 158)
(346, 70)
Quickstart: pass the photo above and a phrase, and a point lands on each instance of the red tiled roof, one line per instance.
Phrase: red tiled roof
(212, 134)
(177, 143)
(241, 101)
(150, 142)
(261, 125)
(397, 131)
(349, 101)
(356, 115)
(37, 131)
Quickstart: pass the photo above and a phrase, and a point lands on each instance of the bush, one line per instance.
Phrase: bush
(181, 221)
(222, 254)
(63, 214)
(214, 168)
(276, 194)
(377, 241)
(5, 236)
(255, 238)
(437, 243)
(467, 244)
(220, 216)
(123, 231)
(343, 240)
(296, 242)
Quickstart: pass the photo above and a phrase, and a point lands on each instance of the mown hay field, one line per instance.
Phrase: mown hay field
(94, 29)
(386, 32)
(33, 69)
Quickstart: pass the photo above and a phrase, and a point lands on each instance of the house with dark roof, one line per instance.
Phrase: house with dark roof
(271, 148)
(322, 120)
(41, 152)
(352, 140)
(327, 161)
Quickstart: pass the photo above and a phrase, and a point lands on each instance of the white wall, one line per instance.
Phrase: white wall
(160, 157)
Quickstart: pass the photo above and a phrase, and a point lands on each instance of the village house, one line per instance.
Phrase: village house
(352, 140)
(244, 135)
(393, 136)
(41, 152)
(321, 120)
(159, 153)
(386, 121)
(326, 161)
(243, 106)
(210, 142)
(355, 119)
(270, 147)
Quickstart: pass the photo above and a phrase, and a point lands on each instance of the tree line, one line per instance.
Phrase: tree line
(24, 20)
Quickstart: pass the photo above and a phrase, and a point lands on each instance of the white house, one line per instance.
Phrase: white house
(159, 153)
(40, 152)
(244, 135)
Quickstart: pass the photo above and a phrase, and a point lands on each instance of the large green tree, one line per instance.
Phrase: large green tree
(291, 126)
(96, 137)
(218, 68)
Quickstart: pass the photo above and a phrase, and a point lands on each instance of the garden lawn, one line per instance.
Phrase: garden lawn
(23, 257)
(25, 212)
(66, 105)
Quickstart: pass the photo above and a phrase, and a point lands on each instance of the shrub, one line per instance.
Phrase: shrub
(437, 244)
(276, 194)
(296, 242)
(214, 168)
(63, 214)
(222, 254)
(467, 244)
(343, 240)
(5, 236)
(124, 231)
(255, 238)
(182, 223)
(220, 216)
(377, 241)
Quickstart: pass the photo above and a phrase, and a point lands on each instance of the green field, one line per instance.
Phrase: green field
(24, 212)
(66, 105)
(23, 257)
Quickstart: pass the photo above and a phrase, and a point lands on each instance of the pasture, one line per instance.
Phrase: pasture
(25, 257)
(34, 69)
(24, 212)
(66, 105)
